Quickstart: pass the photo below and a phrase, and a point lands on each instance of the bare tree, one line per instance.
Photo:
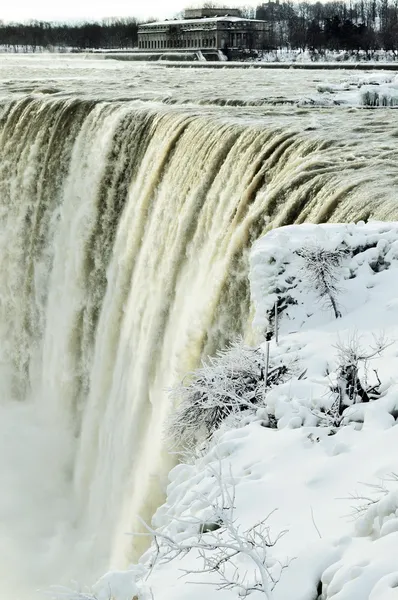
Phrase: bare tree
(321, 269)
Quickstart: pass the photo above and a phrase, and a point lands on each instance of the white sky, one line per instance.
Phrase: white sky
(18, 10)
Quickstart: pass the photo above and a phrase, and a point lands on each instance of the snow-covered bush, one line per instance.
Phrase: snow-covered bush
(237, 556)
(319, 265)
(376, 508)
(350, 381)
(351, 355)
(233, 381)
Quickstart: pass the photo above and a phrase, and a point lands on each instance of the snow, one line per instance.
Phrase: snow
(288, 55)
(332, 490)
(206, 20)
(123, 585)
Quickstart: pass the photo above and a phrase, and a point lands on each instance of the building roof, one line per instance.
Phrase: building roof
(199, 13)
(201, 21)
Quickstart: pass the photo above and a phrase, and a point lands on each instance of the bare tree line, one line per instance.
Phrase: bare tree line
(110, 33)
(351, 25)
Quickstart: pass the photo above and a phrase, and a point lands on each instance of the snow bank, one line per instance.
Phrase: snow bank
(122, 585)
(332, 490)
(277, 272)
(283, 55)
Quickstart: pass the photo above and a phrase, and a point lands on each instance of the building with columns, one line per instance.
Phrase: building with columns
(229, 32)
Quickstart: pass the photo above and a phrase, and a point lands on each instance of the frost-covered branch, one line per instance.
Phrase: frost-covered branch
(377, 491)
(351, 351)
(351, 354)
(321, 269)
(350, 383)
(233, 381)
(223, 546)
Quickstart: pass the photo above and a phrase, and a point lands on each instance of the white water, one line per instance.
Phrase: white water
(123, 234)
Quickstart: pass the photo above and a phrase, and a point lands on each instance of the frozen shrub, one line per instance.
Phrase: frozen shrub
(230, 382)
(351, 385)
(223, 544)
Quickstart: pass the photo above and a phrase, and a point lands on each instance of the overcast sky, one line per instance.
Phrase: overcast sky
(16, 10)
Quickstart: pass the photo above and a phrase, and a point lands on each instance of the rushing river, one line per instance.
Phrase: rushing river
(129, 195)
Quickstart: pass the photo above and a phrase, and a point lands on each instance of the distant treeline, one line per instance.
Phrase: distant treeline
(362, 25)
(112, 33)
(335, 25)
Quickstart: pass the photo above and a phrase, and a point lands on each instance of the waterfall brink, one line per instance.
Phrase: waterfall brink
(124, 230)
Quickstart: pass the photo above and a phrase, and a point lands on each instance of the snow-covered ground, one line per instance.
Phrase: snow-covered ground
(327, 56)
(329, 486)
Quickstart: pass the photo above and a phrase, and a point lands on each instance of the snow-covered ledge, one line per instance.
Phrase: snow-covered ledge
(340, 534)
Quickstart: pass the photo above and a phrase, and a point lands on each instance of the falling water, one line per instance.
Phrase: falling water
(124, 229)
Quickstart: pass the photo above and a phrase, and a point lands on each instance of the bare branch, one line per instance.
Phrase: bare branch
(315, 525)
(221, 549)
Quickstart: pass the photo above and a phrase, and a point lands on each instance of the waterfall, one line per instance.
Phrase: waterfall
(124, 230)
